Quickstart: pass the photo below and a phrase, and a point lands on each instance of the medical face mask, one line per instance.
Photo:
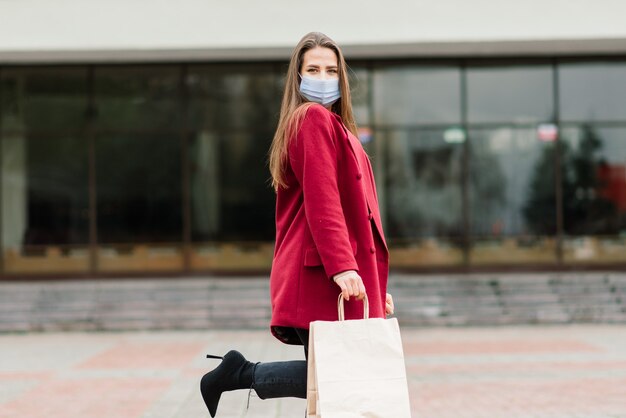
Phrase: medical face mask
(325, 92)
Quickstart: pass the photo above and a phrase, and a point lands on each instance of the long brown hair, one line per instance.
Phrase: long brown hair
(294, 105)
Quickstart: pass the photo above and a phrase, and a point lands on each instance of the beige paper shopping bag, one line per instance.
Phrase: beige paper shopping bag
(356, 369)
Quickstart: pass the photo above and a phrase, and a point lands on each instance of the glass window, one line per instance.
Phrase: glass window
(592, 91)
(43, 99)
(594, 180)
(138, 168)
(359, 91)
(423, 185)
(234, 111)
(139, 202)
(139, 198)
(413, 95)
(423, 197)
(509, 94)
(594, 194)
(233, 97)
(45, 203)
(512, 196)
(138, 98)
(232, 202)
(58, 201)
(232, 198)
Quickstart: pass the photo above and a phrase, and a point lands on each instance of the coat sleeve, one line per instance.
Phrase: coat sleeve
(313, 158)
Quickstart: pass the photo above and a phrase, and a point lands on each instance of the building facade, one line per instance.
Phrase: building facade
(497, 136)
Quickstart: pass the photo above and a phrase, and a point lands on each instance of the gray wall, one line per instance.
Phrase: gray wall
(141, 30)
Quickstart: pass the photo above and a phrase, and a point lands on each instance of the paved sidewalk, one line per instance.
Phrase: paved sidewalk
(514, 371)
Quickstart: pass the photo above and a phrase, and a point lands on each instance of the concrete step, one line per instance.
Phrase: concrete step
(243, 302)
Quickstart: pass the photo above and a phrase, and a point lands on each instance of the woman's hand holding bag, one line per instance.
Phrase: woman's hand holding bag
(351, 284)
(389, 306)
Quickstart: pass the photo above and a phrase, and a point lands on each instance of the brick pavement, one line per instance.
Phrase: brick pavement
(514, 371)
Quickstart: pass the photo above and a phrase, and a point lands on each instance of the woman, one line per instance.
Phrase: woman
(329, 235)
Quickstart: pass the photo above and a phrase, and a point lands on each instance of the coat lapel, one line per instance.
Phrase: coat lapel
(367, 184)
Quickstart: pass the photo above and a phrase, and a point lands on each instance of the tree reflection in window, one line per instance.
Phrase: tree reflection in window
(590, 202)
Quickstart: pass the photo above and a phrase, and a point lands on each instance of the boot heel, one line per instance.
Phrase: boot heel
(234, 372)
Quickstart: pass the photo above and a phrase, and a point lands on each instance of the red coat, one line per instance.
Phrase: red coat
(327, 221)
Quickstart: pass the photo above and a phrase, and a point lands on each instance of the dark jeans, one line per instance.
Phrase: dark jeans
(280, 379)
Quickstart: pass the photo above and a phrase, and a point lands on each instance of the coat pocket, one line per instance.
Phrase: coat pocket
(312, 256)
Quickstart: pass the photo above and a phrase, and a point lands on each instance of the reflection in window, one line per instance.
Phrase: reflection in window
(411, 95)
(594, 180)
(233, 114)
(512, 195)
(247, 200)
(423, 197)
(359, 90)
(509, 94)
(57, 174)
(44, 194)
(511, 183)
(44, 190)
(423, 185)
(137, 98)
(204, 152)
(594, 193)
(45, 204)
(43, 99)
(233, 98)
(592, 91)
(139, 188)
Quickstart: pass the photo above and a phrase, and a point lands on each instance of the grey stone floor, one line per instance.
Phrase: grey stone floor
(541, 371)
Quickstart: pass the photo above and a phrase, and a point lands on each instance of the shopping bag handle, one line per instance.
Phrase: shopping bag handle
(341, 314)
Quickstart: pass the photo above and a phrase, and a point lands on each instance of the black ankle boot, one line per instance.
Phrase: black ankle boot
(234, 372)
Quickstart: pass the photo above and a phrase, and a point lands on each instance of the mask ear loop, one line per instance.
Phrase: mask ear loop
(300, 86)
